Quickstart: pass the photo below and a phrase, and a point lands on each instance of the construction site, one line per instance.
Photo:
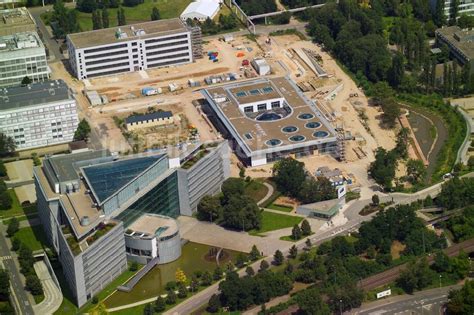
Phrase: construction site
(238, 58)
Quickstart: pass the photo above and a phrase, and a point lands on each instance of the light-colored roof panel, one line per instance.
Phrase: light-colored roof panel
(202, 7)
(108, 35)
(255, 135)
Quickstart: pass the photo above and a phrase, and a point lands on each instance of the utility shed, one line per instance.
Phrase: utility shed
(149, 120)
(323, 209)
(200, 10)
(261, 66)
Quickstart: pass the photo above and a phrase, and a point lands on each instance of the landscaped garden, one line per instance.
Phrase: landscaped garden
(32, 236)
(16, 209)
(279, 207)
(273, 221)
(194, 258)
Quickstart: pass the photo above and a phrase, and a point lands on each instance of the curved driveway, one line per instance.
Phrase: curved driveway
(52, 295)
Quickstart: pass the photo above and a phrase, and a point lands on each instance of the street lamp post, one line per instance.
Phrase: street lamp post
(440, 276)
(340, 306)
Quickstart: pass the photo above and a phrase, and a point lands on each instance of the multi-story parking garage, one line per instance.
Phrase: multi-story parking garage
(132, 48)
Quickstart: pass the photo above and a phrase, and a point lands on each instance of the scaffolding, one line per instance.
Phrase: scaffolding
(196, 41)
(341, 147)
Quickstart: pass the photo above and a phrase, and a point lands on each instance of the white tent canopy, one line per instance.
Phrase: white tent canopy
(200, 10)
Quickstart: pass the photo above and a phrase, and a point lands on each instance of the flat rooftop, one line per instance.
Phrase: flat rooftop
(76, 205)
(461, 39)
(64, 165)
(303, 126)
(150, 225)
(149, 116)
(20, 41)
(109, 35)
(34, 94)
(16, 20)
(327, 207)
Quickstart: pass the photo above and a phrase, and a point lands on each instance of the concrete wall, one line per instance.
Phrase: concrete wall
(150, 123)
(101, 263)
(203, 178)
(133, 55)
(41, 125)
(90, 271)
(170, 249)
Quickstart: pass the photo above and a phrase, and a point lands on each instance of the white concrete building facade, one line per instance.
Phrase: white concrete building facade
(130, 48)
(39, 114)
(21, 55)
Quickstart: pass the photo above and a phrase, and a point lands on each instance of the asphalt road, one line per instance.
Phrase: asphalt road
(353, 223)
(423, 302)
(48, 40)
(15, 280)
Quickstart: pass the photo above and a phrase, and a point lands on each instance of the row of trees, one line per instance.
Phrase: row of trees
(461, 301)
(456, 193)
(5, 198)
(419, 274)
(233, 209)
(89, 6)
(7, 146)
(382, 170)
(183, 285)
(356, 36)
(291, 179)
(4, 287)
(64, 20)
(462, 226)
(27, 260)
(210, 27)
(239, 293)
(253, 7)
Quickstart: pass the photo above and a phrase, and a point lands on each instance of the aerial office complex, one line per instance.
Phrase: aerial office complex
(133, 48)
(459, 42)
(38, 114)
(463, 7)
(269, 119)
(17, 20)
(97, 209)
(21, 55)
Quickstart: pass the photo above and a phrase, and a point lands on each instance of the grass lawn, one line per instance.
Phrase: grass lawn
(278, 207)
(32, 236)
(38, 298)
(110, 288)
(68, 307)
(16, 209)
(21, 218)
(256, 190)
(289, 238)
(274, 221)
(140, 13)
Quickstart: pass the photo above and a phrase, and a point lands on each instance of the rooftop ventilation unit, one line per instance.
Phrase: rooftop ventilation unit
(140, 32)
(85, 221)
(219, 98)
(120, 34)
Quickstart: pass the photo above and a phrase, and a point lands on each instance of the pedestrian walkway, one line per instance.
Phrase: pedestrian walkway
(268, 195)
(52, 294)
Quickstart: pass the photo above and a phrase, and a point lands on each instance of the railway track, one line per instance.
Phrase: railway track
(392, 274)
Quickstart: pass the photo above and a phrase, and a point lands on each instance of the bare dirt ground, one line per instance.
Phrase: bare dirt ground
(228, 61)
(342, 108)
(123, 92)
(19, 171)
